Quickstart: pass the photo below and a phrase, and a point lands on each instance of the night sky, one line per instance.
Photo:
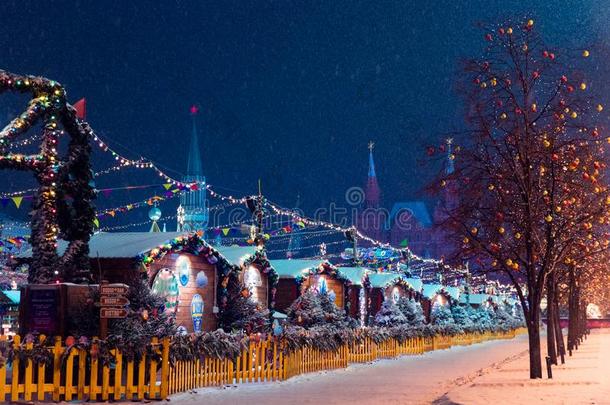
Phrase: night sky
(290, 91)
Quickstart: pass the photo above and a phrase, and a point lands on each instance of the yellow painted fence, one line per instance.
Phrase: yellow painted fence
(80, 376)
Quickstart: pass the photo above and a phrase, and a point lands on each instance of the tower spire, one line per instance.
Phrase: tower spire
(371, 161)
(192, 214)
(194, 166)
(372, 192)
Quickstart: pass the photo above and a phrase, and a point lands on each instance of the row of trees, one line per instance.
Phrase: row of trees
(316, 310)
(533, 201)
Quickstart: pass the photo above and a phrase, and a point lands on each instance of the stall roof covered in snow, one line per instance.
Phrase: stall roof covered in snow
(292, 268)
(475, 299)
(236, 254)
(454, 292)
(415, 283)
(13, 296)
(430, 290)
(381, 280)
(353, 274)
(116, 245)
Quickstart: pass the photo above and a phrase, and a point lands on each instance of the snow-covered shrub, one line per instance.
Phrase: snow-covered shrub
(482, 319)
(306, 311)
(412, 310)
(462, 317)
(389, 315)
(443, 320)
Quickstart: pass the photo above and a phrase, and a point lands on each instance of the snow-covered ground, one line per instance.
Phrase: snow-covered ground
(493, 372)
(583, 379)
(405, 380)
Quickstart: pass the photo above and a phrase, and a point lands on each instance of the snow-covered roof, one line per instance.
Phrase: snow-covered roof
(415, 283)
(236, 254)
(475, 299)
(292, 268)
(353, 274)
(454, 292)
(131, 244)
(430, 290)
(14, 296)
(381, 280)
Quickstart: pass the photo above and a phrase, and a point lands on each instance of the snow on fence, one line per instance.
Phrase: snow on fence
(80, 376)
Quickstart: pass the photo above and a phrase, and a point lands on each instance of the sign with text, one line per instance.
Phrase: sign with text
(106, 301)
(43, 309)
(113, 313)
(114, 289)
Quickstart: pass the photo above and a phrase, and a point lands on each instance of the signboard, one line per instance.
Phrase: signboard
(112, 300)
(43, 307)
(114, 289)
(197, 312)
(110, 313)
(107, 301)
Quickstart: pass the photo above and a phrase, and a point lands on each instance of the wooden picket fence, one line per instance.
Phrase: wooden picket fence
(82, 377)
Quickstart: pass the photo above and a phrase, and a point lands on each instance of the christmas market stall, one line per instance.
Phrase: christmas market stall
(391, 286)
(299, 275)
(437, 294)
(356, 304)
(191, 275)
(9, 311)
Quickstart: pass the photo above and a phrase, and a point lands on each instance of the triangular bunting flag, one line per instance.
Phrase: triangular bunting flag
(111, 213)
(225, 231)
(17, 201)
(81, 108)
(167, 186)
(404, 243)
(96, 222)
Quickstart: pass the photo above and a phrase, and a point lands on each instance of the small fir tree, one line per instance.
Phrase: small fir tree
(332, 313)
(413, 311)
(244, 314)
(441, 315)
(389, 315)
(306, 311)
(462, 317)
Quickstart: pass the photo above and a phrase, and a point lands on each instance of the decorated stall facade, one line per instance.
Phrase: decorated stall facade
(357, 295)
(299, 275)
(390, 286)
(191, 275)
(437, 294)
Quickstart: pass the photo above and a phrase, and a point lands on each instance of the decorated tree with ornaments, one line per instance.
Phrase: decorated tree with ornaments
(62, 204)
(530, 178)
(244, 313)
(306, 310)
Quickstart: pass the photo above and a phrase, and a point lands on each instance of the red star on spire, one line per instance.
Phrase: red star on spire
(194, 109)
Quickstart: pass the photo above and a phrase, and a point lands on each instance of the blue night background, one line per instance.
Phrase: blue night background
(290, 92)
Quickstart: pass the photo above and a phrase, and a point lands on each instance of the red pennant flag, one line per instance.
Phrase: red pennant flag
(81, 108)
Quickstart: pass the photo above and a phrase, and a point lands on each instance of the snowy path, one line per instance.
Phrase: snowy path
(584, 379)
(406, 380)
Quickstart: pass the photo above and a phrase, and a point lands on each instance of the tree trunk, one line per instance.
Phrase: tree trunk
(572, 311)
(561, 349)
(533, 332)
(550, 318)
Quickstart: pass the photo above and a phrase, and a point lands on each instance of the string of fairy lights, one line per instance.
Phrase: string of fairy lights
(182, 187)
